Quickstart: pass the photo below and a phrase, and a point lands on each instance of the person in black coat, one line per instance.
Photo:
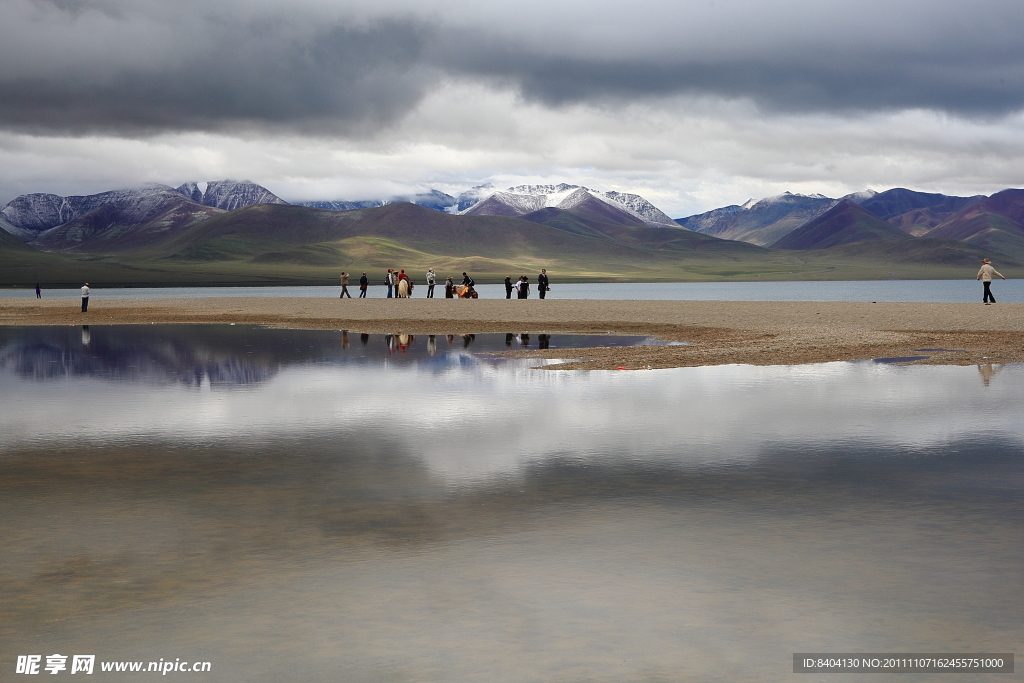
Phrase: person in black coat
(508, 287)
(524, 288)
(542, 282)
(363, 283)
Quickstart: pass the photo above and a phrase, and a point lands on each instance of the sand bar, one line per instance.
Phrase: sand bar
(717, 332)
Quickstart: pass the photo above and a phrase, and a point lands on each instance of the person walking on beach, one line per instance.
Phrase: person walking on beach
(508, 287)
(363, 283)
(344, 287)
(431, 281)
(449, 286)
(85, 297)
(985, 275)
(542, 282)
(390, 281)
(39, 292)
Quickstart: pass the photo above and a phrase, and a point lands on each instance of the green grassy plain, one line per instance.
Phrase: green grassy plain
(287, 245)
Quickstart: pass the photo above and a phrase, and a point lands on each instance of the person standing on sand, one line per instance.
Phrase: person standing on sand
(449, 285)
(344, 287)
(542, 282)
(363, 283)
(985, 275)
(431, 281)
(85, 297)
(523, 287)
(390, 280)
(39, 292)
(508, 287)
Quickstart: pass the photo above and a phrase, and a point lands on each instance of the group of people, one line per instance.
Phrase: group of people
(394, 281)
(522, 286)
(399, 285)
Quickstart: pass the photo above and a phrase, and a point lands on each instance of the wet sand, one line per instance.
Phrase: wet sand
(715, 332)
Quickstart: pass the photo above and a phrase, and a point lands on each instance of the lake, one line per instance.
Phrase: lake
(303, 505)
(952, 291)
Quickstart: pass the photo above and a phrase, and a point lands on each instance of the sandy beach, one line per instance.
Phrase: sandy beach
(716, 332)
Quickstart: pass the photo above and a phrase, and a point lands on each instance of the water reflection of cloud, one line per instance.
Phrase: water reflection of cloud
(154, 356)
(471, 420)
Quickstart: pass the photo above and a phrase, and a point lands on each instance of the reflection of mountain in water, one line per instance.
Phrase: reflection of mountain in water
(197, 355)
(191, 356)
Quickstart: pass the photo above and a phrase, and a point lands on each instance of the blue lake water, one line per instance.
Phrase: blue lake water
(952, 291)
(302, 505)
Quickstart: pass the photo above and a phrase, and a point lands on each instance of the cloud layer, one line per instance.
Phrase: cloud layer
(480, 83)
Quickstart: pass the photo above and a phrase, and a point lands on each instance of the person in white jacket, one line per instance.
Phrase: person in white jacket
(985, 275)
(431, 281)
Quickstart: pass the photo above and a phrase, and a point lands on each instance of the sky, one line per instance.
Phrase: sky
(694, 105)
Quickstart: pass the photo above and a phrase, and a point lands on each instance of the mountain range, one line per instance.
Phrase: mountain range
(123, 219)
(233, 231)
(794, 221)
(485, 200)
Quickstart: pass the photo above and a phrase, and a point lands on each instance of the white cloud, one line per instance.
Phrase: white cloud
(686, 154)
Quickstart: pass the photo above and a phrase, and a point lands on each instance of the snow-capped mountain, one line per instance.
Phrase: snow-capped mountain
(523, 199)
(767, 221)
(119, 217)
(31, 214)
(120, 220)
(641, 207)
(229, 194)
(515, 201)
(763, 221)
(34, 213)
(861, 197)
(786, 198)
(342, 205)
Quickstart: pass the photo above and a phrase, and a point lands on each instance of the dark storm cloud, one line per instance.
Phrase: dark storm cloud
(311, 71)
(861, 83)
(337, 77)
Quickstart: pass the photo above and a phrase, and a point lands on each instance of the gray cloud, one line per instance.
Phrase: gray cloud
(75, 66)
(255, 74)
(859, 84)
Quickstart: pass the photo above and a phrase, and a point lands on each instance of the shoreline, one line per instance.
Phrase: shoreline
(718, 332)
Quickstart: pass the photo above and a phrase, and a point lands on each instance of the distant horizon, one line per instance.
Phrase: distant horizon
(427, 188)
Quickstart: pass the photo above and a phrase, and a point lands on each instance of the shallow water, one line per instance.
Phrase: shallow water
(941, 291)
(291, 508)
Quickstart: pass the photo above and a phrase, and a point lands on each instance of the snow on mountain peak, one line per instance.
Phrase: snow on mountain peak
(860, 197)
(561, 188)
(523, 199)
(234, 194)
